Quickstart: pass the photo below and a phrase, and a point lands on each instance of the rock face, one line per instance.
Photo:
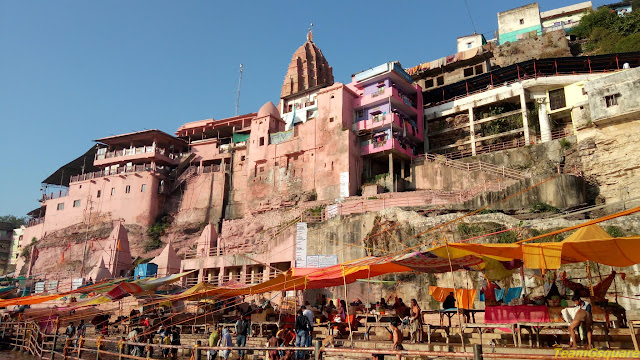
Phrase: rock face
(609, 158)
(548, 45)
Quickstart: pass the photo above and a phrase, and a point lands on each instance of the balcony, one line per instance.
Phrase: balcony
(118, 171)
(398, 98)
(149, 153)
(372, 147)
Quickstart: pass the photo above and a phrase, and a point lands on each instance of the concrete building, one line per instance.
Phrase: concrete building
(16, 245)
(565, 17)
(6, 238)
(132, 169)
(516, 23)
(471, 42)
(493, 111)
(388, 121)
(621, 8)
(528, 21)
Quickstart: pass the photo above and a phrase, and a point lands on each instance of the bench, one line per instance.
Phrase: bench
(481, 328)
(431, 328)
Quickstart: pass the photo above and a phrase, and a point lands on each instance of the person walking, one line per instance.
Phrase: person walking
(309, 314)
(214, 340)
(415, 321)
(302, 329)
(243, 329)
(226, 341)
(397, 337)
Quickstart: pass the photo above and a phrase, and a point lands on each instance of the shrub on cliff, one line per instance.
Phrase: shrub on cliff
(607, 32)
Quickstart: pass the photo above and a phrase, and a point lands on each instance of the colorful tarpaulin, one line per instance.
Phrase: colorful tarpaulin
(590, 243)
(464, 297)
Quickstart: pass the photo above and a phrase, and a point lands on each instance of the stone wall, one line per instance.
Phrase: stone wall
(609, 159)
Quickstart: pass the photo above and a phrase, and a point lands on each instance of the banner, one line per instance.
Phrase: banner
(280, 137)
(327, 260)
(301, 244)
(344, 184)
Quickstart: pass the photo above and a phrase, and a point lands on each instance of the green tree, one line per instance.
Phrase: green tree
(14, 220)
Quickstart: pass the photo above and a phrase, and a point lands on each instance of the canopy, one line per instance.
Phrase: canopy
(302, 279)
(80, 165)
(590, 243)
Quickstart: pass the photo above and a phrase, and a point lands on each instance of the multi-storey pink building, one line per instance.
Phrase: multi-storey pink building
(322, 142)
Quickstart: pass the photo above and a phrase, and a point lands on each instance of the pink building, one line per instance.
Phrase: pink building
(322, 142)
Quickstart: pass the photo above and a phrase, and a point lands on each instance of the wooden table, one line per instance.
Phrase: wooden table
(484, 327)
(449, 313)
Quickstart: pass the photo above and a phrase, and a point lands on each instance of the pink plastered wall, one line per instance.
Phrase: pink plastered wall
(136, 207)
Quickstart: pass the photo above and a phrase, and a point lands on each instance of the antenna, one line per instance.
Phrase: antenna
(238, 93)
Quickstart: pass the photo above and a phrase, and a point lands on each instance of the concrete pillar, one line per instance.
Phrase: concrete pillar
(545, 126)
(391, 171)
(425, 131)
(472, 132)
(402, 169)
(525, 116)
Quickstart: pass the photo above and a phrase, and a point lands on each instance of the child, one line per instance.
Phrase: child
(273, 342)
(165, 351)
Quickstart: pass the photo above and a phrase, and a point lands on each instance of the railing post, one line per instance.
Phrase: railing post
(197, 350)
(317, 354)
(477, 352)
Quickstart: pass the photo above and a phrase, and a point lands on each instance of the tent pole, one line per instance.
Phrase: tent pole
(455, 291)
(524, 288)
(344, 278)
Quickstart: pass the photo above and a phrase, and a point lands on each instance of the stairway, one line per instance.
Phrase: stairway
(478, 165)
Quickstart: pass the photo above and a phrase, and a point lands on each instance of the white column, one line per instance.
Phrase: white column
(472, 132)
(525, 116)
(545, 126)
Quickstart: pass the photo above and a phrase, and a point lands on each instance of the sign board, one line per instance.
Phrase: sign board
(312, 261)
(301, 244)
(76, 283)
(332, 210)
(39, 287)
(327, 260)
(344, 184)
(52, 285)
(321, 261)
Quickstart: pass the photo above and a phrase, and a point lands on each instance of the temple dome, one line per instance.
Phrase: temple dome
(268, 109)
(308, 70)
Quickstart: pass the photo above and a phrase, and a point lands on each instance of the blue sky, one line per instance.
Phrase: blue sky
(75, 71)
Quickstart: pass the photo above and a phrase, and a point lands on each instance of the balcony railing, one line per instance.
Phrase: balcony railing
(139, 150)
(59, 194)
(34, 222)
(117, 171)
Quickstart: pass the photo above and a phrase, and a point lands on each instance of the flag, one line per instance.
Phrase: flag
(92, 246)
(68, 246)
(119, 246)
(62, 260)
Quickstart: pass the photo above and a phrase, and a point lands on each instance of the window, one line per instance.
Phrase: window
(440, 80)
(113, 191)
(76, 203)
(143, 188)
(468, 72)
(127, 189)
(479, 69)
(331, 119)
(360, 114)
(261, 168)
(262, 141)
(242, 158)
(611, 100)
(557, 99)
(521, 21)
(469, 45)
(99, 193)
(60, 206)
(428, 83)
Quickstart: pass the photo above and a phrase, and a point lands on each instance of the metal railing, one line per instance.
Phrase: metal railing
(517, 143)
(118, 171)
(27, 337)
(477, 166)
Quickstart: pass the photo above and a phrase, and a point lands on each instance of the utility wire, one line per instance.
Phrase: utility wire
(470, 17)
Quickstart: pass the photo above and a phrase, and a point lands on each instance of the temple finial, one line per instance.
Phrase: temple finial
(310, 33)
